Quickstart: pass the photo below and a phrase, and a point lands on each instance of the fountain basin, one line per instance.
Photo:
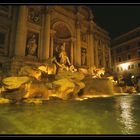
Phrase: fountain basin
(98, 87)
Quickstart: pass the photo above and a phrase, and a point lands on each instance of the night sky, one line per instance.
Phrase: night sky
(116, 19)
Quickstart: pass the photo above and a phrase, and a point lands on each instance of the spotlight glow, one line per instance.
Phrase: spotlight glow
(125, 66)
(132, 76)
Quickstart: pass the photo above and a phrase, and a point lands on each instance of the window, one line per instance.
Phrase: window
(118, 50)
(128, 67)
(128, 56)
(120, 59)
(123, 58)
(132, 66)
(117, 69)
(138, 65)
(138, 53)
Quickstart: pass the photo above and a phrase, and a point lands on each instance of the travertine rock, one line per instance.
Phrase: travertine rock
(11, 83)
(4, 101)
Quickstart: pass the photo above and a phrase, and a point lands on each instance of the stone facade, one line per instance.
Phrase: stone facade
(126, 53)
(32, 34)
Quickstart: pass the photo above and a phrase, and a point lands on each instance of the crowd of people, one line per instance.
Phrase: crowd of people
(130, 80)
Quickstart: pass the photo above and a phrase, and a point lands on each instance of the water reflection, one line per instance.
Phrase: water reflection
(127, 118)
(110, 115)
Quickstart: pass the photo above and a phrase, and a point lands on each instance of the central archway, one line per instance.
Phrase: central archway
(62, 35)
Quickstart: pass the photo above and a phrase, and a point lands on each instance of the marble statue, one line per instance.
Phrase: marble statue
(31, 45)
(64, 62)
(63, 56)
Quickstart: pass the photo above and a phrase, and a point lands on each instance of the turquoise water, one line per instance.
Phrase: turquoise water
(110, 115)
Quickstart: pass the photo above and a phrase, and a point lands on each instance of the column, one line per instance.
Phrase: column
(91, 50)
(100, 54)
(51, 53)
(78, 44)
(90, 44)
(109, 56)
(96, 54)
(52, 42)
(72, 50)
(46, 46)
(74, 53)
(104, 62)
(114, 59)
(20, 44)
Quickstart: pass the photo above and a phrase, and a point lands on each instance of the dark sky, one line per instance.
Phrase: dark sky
(117, 19)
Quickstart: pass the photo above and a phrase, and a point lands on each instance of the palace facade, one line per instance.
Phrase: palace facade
(126, 53)
(31, 34)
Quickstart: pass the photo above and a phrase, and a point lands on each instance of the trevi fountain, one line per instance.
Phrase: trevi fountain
(56, 97)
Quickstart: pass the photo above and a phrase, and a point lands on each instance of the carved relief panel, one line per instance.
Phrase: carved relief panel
(35, 15)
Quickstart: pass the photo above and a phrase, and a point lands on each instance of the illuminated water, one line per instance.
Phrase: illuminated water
(111, 115)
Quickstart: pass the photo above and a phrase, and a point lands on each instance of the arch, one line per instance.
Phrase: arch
(63, 33)
(64, 24)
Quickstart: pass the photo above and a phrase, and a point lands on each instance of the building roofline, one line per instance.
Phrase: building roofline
(126, 34)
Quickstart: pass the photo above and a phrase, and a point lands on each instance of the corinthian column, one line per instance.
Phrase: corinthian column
(90, 43)
(46, 46)
(52, 42)
(72, 50)
(20, 43)
(91, 50)
(103, 59)
(109, 57)
(96, 54)
(78, 44)
(74, 53)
